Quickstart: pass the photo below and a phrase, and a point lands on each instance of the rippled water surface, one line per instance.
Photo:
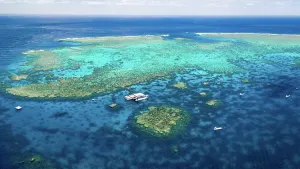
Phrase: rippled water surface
(67, 72)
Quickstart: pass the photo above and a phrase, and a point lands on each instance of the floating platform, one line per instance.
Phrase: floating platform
(136, 97)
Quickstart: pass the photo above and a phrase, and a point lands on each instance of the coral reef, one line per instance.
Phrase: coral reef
(18, 77)
(203, 94)
(105, 64)
(28, 161)
(100, 81)
(205, 83)
(174, 149)
(245, 80)
(163, 121)
(112, 39)
(180, 85)
(263, 39)
(42, 60)
(113, 105)
(181, 39)
(214, 46)
(296, 64)
(14, 156)
(214, 103)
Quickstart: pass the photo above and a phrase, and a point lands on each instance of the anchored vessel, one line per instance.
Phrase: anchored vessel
(218, 128)
(136, 97)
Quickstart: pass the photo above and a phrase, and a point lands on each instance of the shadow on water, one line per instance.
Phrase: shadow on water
(282, 85)
(59, 115)
(46, 130)
(12, 155)
(3, 109)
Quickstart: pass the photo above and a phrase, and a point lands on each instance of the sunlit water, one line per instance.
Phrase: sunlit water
(255, 76)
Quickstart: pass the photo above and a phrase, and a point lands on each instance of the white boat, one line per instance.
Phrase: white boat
(136, 97)
(18, 108)
(218, 128)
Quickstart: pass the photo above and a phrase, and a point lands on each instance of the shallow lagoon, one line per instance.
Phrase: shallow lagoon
(256, 82)
(105, 64)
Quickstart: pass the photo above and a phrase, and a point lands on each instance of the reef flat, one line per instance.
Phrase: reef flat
(98, 65)
(260, 38)
(113, 39)
(162, 121)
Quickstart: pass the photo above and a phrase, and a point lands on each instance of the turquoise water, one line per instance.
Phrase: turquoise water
(259, 117)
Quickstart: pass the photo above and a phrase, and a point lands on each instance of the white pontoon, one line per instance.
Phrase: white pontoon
(136, 97)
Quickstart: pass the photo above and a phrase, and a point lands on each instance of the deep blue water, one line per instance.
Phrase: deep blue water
(261, 127)
(20, 33)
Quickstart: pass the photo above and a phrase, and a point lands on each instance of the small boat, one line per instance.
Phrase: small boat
(218, 128)
(18, 108)
(136, 97)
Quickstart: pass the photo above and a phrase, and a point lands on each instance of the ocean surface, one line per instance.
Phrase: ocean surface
(260, 107)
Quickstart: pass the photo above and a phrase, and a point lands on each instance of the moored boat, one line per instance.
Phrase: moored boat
(136, 97)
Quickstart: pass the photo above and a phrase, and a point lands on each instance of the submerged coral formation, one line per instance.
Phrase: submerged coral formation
(203, 94)
(42, 60)
(113, 39)
(18, 77)
(99, 82)
(105, 64)
(113, 105)
(205, 83)
(214, 46)
(163, 121)
(213, 103)
(174, 149)
(13, 155)
(245, 80)
(33, 162)
(180, 85)
(268, 39)
(296, 64)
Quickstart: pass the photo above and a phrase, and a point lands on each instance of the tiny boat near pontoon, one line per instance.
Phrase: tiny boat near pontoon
(136, 97)
(18, 108)
(218, 128)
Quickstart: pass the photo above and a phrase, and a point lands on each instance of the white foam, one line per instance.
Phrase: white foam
(127, 36)
(246, 33)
